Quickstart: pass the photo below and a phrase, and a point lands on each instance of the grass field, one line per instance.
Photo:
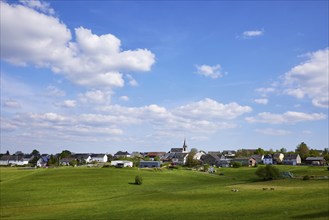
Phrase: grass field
(109, 193)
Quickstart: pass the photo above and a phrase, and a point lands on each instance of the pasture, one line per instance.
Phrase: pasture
(109, 193)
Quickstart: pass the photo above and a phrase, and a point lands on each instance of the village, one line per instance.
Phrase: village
(175, 157)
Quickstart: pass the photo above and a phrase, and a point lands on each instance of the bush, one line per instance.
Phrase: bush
(306, 177)
(138, 180)
(236, 164)
(268, 172)
(206, 167)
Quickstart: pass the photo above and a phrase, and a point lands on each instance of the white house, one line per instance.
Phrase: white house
(122, 163)
(292, 159)
(198, 155)
(180, 158)
(102, 158)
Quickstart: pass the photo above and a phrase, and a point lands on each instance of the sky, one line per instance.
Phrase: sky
(103, 76)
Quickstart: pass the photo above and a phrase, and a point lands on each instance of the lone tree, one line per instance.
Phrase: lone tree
(303, 150)
(269, 172)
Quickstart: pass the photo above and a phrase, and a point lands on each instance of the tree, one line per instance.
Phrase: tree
(194, 150)
(190, 161)
(313, 153)
(35, 153)
(283, 150)
(260, 151)
(268, 172)
(65, 153)
(303, 150)
(156, 158)
(7, 152)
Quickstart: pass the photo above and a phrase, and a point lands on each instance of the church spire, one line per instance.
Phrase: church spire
(184, 146)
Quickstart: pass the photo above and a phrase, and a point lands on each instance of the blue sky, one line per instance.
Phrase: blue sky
(141, 76)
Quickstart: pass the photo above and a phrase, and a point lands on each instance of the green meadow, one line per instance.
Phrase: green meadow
(109, 193)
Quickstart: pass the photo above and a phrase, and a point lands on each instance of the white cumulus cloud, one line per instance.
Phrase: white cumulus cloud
(30, 37)
(249, 34)
(262, 101)
(289, 117)
(310, 79)
(213, 72)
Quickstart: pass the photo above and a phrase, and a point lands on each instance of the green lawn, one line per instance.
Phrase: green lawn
(108, 193)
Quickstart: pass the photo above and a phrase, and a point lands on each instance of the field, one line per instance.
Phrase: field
(109, 193)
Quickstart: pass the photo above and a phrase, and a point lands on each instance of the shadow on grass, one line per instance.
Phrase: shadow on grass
(312, 215)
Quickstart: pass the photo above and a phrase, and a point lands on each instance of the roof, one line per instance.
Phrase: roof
(291, 156)
(97, 155)
(268, 156)
(180, 155)
(150, 162)
(81, 156)
(215, 157)
(122, 153)
(176, 150)
(154, 154)
(229, 152)
(66, 159)
(314, 158)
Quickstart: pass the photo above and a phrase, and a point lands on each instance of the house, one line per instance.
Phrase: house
(179, 158)
(121, 154)
(82, 158)
(317, 161)
(229, 153)
(180, 149)
(66, 161)
(198, 155)
(101, 158)
(4, 160)
(153, 155)
(136, 155)
(292, 159)
(258, 157)
(210, 159)
(268, 159)
(121, 163)
(149, 164)
(18, 160)
(278, 158)
(245, 161)
(167, 157)
(215, 153)
(224, 162)
(43, 161)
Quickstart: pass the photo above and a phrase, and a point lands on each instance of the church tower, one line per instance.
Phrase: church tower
(184, 150)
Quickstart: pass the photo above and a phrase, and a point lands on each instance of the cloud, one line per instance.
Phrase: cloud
(261, 101)
(55, 92)
(213, 72)
(310, 79)
(289, 117)
(131, 80)
(209, 108)
(124, 98)
(273, 132)
(251, 34)
(265, 91)
(95, 96)
(38, 5)
(68, 104)
(29, 37)
(11, 104)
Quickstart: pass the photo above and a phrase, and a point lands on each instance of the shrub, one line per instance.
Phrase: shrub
(138, 180)
(206, 167)
(306, 177)
(268, 172)
(236, 164)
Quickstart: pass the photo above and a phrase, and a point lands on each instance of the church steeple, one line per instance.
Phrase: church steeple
(184, 146)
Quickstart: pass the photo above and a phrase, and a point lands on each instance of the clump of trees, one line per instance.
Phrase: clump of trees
(268, 172)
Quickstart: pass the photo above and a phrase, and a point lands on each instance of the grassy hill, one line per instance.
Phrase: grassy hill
(109, 193)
